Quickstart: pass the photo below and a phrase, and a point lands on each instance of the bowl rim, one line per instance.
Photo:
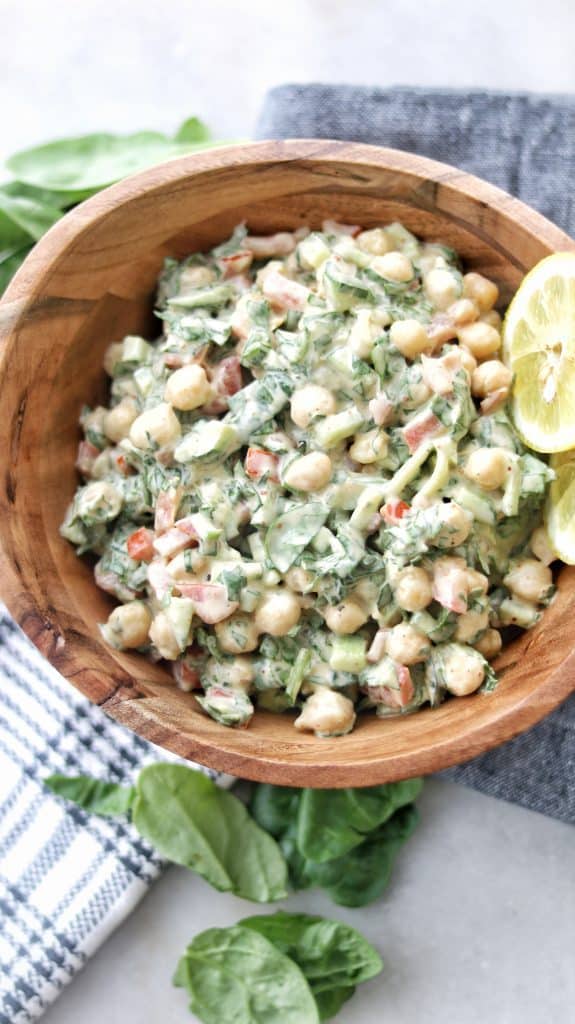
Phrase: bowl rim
(123, 704)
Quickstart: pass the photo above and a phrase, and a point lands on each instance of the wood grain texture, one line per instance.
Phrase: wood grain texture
(89, 282)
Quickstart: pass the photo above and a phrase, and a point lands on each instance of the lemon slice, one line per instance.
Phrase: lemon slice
(539, 347)
(560, 508)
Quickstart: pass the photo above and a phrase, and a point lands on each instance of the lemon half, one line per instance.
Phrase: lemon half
(560, 507)
(539, 347)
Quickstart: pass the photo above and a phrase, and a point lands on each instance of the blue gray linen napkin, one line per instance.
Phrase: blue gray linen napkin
(526, 145)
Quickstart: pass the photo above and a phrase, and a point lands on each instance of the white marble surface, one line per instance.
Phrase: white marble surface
(479, 924)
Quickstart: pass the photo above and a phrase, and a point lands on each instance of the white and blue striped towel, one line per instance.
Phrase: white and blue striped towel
(67, 879)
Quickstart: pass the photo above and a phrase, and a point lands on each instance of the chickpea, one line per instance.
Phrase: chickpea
(99, 501)
(363, 334)
(309, 402)
(489, 644)
(309, 473)
(468, 361)
(345, 617)
(529, 580)
(462, 311)
(187, 564)
(112, 355)
(369, 447)
(394, 266)
(412, 589)
(278, 612)
(410, 337)
(541, 546)
(128, 626)
(300, 580)
(237, 673)
(374, 241)
(326, 713)
(157, 426)
(442, 287)
(237, 635)
(469, 625)
(463, 669)
(117, 421)
(488, 467)
(456, 525)
(188, 387)
(161, 633)
(407, 645)
(483, 292)
(492, 317)
(490, 376)
(482, 340)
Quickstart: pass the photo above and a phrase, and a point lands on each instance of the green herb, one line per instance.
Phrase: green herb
(192, 822)
(107, 798)
(333, 957)
(235, 974)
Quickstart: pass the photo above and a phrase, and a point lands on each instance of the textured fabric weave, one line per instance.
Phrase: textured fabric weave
(67, 879)
(526, 145)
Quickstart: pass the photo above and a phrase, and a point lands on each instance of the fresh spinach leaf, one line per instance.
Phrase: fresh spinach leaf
(10, 261)
(235, 974)
(332, 821)
(192, 130)
(329, 953)
(88, 163)
(193, 822)
(362, 875)
(29, 215)
(107, 798)
(275, 807)
(330, 1002)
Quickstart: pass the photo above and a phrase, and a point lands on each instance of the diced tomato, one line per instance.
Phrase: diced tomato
(451, 584)
(377, 647)
(421, 428)
(122, 463)
(494, 400)
(260, 463)
(284, 293)
(227, 376)
(236, 263)
(393, 511)
(333, 227)
(266, 246)
(173, 360)
(186, 674)
(400, 697)
(166, 508)
(159, 579)
(210, 599)
(173, 541)
(381, 410)
(140, 545)
(87, 455)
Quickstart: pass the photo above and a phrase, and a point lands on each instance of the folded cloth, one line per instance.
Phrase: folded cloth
(526, 145)
(67, 879)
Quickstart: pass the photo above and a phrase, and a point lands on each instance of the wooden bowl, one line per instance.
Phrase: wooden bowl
(89, 282)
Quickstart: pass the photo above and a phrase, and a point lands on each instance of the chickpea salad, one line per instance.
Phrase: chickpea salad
(307, 493)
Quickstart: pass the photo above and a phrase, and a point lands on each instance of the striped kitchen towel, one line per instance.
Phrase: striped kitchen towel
(67, 879)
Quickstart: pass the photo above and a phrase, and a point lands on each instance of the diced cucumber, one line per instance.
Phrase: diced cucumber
(135, 350)
(298, 673)
(258, 403)
(180, 612)
(207, 440)
(211, 297)
(291, 533)
(382, 673)
(313, 251)
(348, 654)
(470, 499)
(144, 380)
(343, 289)
(510, 499)
(330, 431)
(368, 504)
(204, 527)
